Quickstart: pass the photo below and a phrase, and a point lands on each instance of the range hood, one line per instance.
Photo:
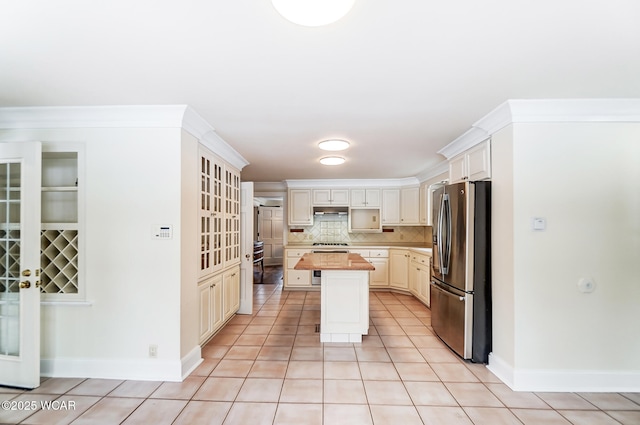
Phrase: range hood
(330, 210)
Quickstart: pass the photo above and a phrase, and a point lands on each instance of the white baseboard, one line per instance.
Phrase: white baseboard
(131, 369)
(191, 361)
(546, 380)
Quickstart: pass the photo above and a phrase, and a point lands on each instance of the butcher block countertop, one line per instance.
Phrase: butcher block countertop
(333, 261)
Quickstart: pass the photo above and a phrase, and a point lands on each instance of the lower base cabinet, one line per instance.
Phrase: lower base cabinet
(230, 293)
(219, 299)
(296, 279)
(420, 277)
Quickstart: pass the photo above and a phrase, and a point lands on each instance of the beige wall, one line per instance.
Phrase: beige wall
(584, 179)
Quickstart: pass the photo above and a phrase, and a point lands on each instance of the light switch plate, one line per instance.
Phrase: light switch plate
(539, 223)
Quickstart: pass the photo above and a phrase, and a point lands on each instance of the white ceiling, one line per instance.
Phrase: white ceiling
(399, 79)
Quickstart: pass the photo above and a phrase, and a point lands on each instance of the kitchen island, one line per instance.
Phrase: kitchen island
(344, 294)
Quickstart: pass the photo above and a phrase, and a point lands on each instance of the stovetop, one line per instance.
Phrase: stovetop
(330, 244)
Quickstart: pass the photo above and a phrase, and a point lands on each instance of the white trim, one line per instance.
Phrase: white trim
(469, 139)
(435, 171)
(351, 183)
(544, 110)
(191, 361)
(122, 116)
(502, 369)
(562, 380)
(222, 149)
(130, 369)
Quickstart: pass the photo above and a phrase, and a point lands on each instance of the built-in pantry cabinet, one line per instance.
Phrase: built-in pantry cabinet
(471, 165)
(219, 228)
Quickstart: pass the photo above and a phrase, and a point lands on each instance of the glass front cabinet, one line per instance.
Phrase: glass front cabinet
(219, 228)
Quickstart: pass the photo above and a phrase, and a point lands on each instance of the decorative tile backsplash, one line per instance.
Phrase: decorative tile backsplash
(334, 228)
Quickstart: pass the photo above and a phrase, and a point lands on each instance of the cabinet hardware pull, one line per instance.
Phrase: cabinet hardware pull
(24, 285)
(26, 272)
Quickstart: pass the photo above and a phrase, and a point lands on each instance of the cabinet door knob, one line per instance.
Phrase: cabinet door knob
(24, 285)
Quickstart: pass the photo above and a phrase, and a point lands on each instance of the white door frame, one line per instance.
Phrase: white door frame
(246, 248)
(23, 369)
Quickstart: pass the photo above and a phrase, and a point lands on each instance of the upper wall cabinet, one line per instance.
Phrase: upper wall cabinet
(401, 206)
(472, 165)
(337, 197)
(410, 206)
(390, 207)
(300, 209)
(365, 198)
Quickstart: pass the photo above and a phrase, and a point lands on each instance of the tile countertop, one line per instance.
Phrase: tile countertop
(333, 261)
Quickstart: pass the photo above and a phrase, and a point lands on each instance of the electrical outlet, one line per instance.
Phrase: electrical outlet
(153, 351)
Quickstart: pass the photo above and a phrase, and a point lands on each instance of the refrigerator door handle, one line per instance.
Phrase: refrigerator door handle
(440, 236)
(446, 246)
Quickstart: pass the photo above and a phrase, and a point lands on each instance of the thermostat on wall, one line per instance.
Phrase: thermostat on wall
(162, 231)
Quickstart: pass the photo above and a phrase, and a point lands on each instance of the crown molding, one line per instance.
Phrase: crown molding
(352, 183)
(121, 116)
(221, 148)
(544, 111)
(435, 171)
(470, 138)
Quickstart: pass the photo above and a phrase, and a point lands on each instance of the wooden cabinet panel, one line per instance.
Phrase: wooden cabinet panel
(410, 206)
(337, 197)
(390, 207)
(300, 211)
(472, 165)
(399, 268)
(365, 198)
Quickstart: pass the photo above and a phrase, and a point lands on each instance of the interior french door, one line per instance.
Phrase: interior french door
(20, 170)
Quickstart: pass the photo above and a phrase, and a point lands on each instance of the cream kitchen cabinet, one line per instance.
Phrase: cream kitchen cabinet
(472, 165)
(378, 278)
(219, 214)
(210, 306)
(337, 197)
(365, 198)
(410, 206)
(300, 209)
(390, 207)
(420, 276)
(295, 279)
(219, 300)
(230, 292)
(401, 206)
(399, 268)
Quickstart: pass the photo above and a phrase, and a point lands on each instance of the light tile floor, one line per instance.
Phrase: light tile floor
(270, 368)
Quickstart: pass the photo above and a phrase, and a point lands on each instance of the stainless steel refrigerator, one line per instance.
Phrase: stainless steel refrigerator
(461, 268)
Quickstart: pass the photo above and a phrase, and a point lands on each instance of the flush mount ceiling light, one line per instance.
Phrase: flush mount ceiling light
(313, 13)
(332, 160)
(333, 145)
